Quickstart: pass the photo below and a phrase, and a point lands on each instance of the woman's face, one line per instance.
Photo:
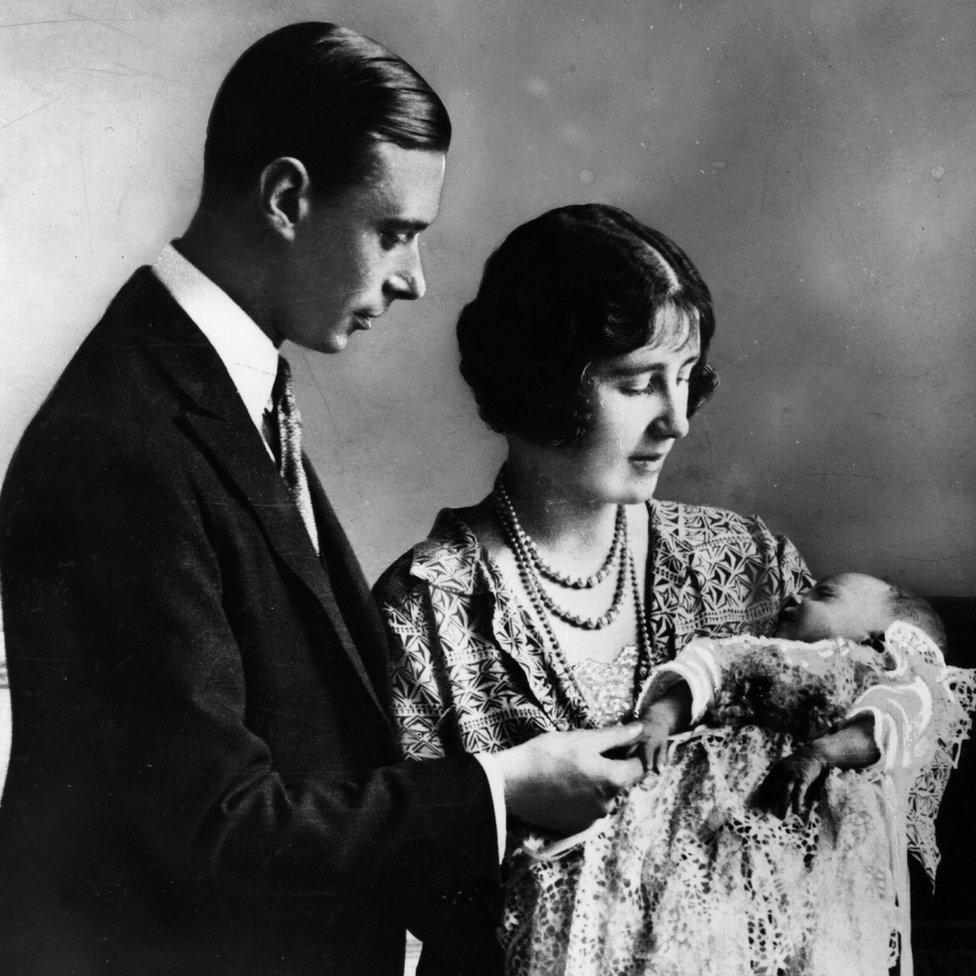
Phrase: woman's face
(638, 409)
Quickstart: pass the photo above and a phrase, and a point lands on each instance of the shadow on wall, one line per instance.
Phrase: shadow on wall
(815, 160)
(816, 164)
(833, 220)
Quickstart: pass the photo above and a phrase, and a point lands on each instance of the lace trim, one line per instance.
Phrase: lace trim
(607, 686)
(953, 700)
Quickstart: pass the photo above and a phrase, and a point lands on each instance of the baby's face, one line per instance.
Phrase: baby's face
(848, 605)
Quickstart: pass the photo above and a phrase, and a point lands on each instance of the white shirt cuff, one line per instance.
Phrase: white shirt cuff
(496, 784)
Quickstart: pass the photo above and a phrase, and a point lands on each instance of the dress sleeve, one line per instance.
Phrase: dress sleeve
(794, 572)
(922, 713)
(416, 680)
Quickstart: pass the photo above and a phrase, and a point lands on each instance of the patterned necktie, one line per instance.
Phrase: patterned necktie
(287, 424)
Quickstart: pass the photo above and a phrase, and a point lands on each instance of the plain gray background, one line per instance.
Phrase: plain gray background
(815, 159)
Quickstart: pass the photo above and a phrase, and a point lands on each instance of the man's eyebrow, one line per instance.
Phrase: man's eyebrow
(401, 223)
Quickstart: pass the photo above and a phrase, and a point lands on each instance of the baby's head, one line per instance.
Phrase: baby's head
(855, 606)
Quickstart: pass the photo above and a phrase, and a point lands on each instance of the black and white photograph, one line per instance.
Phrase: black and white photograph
(488, 489)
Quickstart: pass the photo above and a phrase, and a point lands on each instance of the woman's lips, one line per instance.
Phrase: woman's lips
(647, 462)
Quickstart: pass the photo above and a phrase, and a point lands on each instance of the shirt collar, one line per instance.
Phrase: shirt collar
(248, 355)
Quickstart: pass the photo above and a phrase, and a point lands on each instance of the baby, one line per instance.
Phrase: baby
(842, 726)
(850, 605)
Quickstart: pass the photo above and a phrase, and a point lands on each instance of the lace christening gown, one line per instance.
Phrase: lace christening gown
(685, 878)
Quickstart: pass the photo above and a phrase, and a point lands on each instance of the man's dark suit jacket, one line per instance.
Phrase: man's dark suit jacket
(204, 777)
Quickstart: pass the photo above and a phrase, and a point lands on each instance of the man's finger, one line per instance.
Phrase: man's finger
(625, 772)
(616, 736)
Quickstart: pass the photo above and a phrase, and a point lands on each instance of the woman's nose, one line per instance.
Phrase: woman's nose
(672, 421)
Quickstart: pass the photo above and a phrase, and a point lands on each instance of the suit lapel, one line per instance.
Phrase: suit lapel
(215, 417)
(351, 590)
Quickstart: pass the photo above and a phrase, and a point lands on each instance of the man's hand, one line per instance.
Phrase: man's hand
(793, 783)
(563, 781)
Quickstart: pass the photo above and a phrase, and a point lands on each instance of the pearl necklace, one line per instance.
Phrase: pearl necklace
(565, 580)
(530, 570)
(515, 534)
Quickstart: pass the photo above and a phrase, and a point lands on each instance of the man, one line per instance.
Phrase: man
(204, 777)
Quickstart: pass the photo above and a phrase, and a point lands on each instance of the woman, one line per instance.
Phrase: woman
(546, 605)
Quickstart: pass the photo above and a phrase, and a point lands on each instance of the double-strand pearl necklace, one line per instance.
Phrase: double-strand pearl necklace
(566, 580)
(531, 568)
(526, 560)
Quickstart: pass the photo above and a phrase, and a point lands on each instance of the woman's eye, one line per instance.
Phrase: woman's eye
(654, 385)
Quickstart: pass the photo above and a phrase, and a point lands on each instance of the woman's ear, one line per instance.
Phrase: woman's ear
(284, 195)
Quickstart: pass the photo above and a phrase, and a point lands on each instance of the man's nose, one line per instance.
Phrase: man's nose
(408, 280)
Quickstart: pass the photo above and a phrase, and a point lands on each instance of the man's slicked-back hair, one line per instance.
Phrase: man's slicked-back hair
(322, 94)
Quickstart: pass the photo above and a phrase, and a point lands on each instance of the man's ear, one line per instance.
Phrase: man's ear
(285, 187)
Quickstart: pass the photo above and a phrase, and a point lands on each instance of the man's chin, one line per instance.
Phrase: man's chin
(331, 344)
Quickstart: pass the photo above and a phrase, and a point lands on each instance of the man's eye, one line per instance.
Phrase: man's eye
(395, 238)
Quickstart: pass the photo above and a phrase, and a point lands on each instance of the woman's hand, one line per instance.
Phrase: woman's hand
(794, 782)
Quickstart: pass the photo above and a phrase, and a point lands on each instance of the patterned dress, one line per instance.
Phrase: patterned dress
(468, 672)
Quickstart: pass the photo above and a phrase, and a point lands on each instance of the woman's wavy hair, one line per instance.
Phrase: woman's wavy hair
(571, 288)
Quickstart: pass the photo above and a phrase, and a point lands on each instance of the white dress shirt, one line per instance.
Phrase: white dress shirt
(247, 353)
